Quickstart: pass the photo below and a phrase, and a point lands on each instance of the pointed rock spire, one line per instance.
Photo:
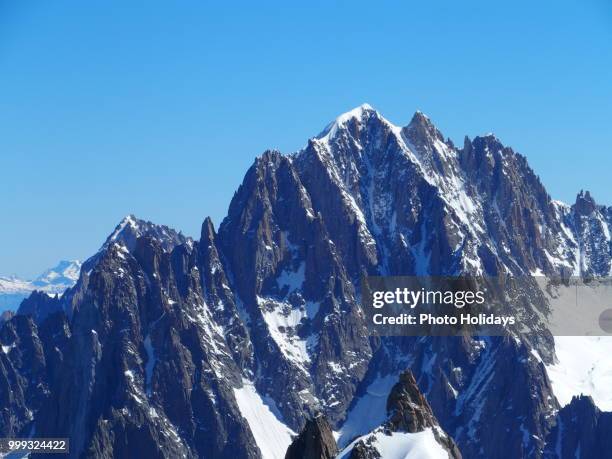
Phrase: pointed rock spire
(425, 137)
(408, 409)
(585, 204)
(421, 129)
(208, 230)
(315, 442)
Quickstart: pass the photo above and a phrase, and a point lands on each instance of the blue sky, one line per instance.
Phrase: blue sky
(158, 108)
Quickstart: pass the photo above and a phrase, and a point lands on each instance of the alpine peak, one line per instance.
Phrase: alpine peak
(131, 228)
(585, 204)
(421, 127)
(361, 114)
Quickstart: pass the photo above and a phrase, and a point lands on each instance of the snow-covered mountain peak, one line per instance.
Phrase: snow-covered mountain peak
(56, 280)
(131, 228)
(357, 116)
(357, 112)
(129, 223)
(52, 281)
(12, 284)
(66, 272)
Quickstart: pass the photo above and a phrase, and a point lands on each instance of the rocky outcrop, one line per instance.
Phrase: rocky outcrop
(585, 204)
(6, 315)
(22, 375)
(407, 407)
(408, 414)
(39, 306)
(363, 450)
(591, 223)
(316, 441)
(582, 431)
(30, 357)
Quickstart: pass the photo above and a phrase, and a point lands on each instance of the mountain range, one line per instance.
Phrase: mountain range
(53, 281)
(251, 341)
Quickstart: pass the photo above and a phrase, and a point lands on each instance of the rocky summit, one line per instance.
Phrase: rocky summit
(252, 338)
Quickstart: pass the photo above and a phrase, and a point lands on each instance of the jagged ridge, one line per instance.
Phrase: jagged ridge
(181, 345)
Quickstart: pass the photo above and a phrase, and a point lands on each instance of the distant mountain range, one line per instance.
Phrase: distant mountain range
(14, 290)
(251, 341)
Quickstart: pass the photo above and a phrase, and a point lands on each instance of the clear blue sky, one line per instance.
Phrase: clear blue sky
(158, 108)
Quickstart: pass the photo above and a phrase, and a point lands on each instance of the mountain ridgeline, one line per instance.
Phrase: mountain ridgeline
(53, 281)
(252, 337)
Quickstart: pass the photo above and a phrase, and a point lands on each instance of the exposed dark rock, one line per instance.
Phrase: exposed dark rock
(23, 376)
(39, 306)
(6, 315)
(363, 451)
(407, 407)
(582, 431)
(409, 411)
(316, 441)
(585, 204)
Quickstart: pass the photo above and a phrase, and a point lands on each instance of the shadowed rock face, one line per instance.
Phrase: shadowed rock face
(150, 348)
(362, 451)
(144, 368)
(582, 431)
(585, 204)
(316, 441)
(6, 315)
(408, 408)
(409, 411)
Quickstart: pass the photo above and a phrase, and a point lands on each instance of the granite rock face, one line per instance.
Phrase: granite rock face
(227, 346)
(582, 431)
(316, 441)
(407, 407)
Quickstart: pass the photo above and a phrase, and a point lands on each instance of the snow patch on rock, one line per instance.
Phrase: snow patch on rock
(272, 436)
(583, 368)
